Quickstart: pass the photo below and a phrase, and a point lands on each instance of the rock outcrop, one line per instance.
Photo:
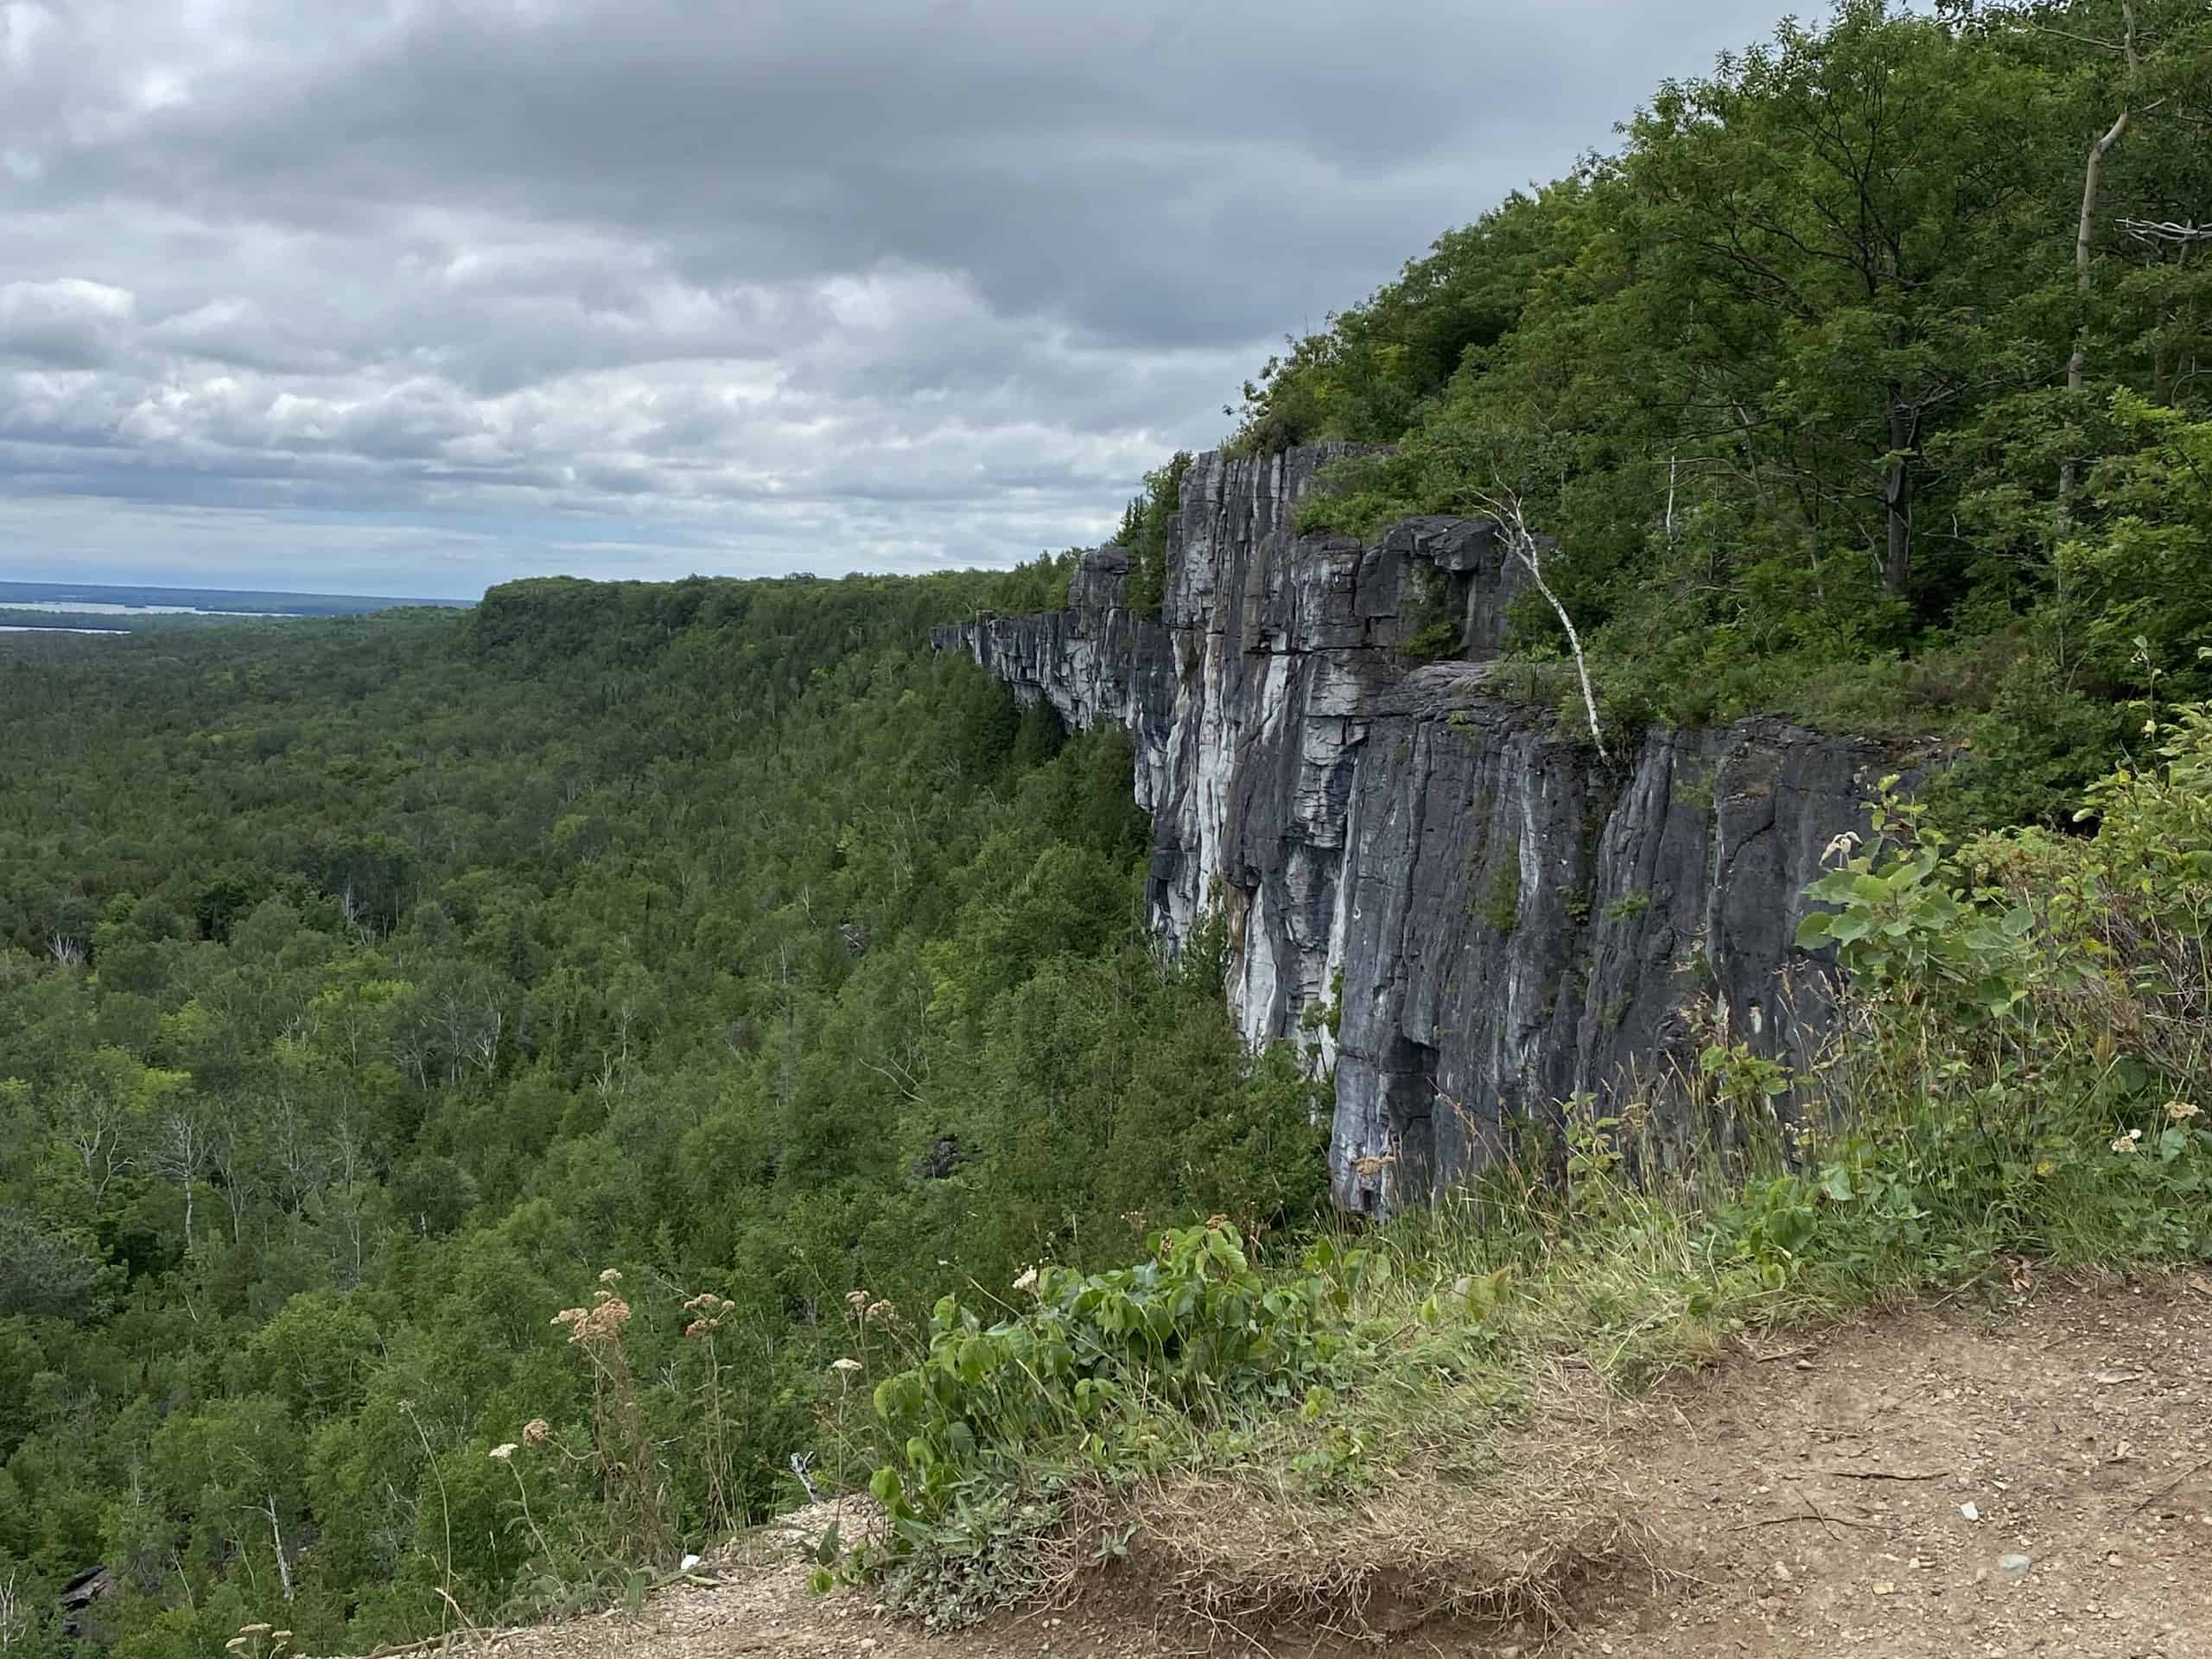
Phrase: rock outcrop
(1432, 883)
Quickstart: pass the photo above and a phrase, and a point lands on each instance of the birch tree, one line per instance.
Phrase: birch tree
(1504, 505)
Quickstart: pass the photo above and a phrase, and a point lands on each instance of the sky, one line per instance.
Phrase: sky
(417, 297)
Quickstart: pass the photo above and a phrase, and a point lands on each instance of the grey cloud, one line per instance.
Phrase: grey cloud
(65, 323)
(787, 284)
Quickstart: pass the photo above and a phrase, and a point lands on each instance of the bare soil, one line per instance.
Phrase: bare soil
(1964, 1480)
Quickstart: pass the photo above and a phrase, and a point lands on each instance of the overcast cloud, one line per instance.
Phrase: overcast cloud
(350, 296)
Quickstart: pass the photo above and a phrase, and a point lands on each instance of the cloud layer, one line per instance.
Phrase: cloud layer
(412, 297)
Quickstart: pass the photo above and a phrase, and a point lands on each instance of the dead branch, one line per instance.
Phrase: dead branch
(1505, 508)
(2164, 232)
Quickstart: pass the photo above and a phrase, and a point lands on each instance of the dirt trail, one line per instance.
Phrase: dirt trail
(1946, 1482)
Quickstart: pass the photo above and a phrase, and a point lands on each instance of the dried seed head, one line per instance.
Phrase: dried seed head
(600, 1322)
(536, 1431)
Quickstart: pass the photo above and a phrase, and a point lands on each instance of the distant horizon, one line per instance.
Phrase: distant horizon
(11, 584)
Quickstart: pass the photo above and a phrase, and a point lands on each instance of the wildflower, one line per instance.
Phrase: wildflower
(1028, 1279)
(711, 1310)
(2180, 1111)
(1839, 848)
(611, 1276)
(844, 1363)
(536, 1431)
(856, 1302)
(879, 1313)
(2126, 1143)
(501, 1452)
(601, 1322)
(253, 1630)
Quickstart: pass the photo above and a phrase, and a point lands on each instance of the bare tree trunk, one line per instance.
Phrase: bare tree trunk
(276, 1537)
(1897, 493)
(1507, 510)
(183, 1156)
(13, 1620)
(2093, 172)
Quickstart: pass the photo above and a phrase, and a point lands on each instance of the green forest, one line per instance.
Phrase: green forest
(372, 987)
(489, 1101)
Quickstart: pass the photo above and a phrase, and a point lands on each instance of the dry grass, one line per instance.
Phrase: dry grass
(1516, 1545)
(1487, 1497)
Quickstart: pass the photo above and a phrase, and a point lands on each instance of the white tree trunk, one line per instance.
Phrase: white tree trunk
(276, 1537)
(2093, 171)
(1506, 509)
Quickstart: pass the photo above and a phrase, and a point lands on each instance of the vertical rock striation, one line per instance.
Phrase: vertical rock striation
(1437, 887)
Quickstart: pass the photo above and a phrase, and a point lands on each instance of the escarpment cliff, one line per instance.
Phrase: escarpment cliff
(1437, 887)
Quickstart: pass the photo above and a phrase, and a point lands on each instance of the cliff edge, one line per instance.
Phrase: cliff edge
(1441, 891)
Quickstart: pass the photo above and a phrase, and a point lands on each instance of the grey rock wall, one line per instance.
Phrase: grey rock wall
(1436, 887)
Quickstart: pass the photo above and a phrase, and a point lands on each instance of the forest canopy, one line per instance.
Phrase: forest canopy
(368, 988)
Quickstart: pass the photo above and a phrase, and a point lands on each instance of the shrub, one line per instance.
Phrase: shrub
(1111, 1374)
(2028, 1033)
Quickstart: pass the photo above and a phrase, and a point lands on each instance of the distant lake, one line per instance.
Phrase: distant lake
(136, 608)
(101, 608)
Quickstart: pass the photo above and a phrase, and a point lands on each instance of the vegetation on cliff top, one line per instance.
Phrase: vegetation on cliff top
(1852, 387)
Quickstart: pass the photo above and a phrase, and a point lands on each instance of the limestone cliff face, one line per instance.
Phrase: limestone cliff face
(1437, 888)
